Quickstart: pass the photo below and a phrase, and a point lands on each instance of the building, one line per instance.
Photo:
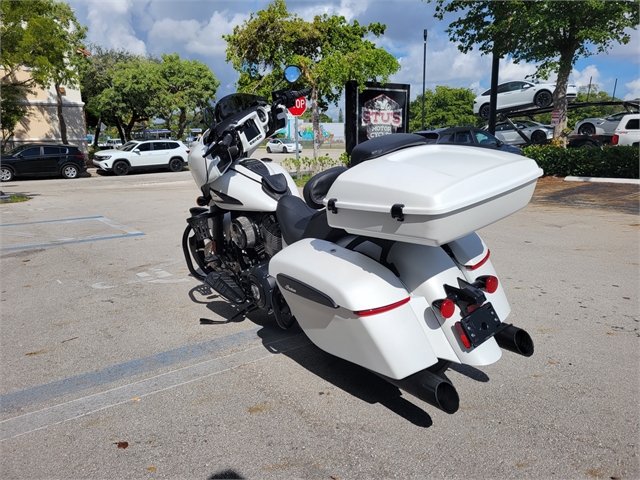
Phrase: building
(42, 125)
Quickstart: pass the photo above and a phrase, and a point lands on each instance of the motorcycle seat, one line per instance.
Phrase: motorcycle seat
(379, 146)
(298, 221)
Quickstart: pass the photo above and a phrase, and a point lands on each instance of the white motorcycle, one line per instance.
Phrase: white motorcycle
(379, 263)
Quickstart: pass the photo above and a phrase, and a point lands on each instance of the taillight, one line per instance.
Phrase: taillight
(386, 308)
(447, 308)
(615, 139)
(490, 283)
(463, 335)
(480, 263)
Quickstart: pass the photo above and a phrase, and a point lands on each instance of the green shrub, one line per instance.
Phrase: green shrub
(606, 162)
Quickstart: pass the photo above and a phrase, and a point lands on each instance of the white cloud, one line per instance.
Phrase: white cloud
(110, 26)
(634, 89)
(589, 74)
(509, 70)
(349, 9)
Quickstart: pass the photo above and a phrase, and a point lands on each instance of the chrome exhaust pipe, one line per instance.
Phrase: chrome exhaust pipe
(430, 388)
(515, 340)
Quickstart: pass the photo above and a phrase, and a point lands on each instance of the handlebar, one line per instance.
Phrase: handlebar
(224, 143)
(288, 98)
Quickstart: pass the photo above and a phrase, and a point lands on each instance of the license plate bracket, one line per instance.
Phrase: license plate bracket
(482, 324)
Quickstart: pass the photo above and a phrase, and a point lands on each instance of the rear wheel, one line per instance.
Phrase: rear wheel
(176, 165)
(543, 99)
(6, 174)
(70, 171)
(268, 149)
(281, 310)
(587, 129)
(538, 137)
(121, 167)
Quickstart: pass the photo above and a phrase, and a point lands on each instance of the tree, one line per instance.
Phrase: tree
(554, 33)
(187, 86)
(445, 107)
(96, 75)
(340, 116)
(43, 36)
(330, 51)
(324, 118)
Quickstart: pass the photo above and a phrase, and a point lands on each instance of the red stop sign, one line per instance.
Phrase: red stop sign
(299, 108)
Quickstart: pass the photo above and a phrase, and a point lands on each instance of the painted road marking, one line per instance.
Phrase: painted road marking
(18, 230)
(30, 422)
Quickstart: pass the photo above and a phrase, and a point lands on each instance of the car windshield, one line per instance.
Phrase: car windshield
(127, 147)
(287, 140)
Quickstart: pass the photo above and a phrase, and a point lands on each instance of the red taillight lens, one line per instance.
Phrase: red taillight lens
(462, 335)
(480, 263)
(614, 140)
(491, 284)
(386, 308)
(447, 308)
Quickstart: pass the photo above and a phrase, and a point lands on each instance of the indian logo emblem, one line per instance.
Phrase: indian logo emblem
(381, 116)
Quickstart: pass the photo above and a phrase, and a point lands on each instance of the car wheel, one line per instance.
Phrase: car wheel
(484, 111)
(587, 129)
(268, 149)
(538, 137)
(6, 174)
(176, 165)
(121, 167)
(70, 171)
(543, 99)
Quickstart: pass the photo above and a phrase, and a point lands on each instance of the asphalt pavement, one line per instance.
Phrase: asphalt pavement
(107, 371)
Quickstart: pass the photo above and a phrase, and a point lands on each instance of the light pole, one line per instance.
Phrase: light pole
(424, 74)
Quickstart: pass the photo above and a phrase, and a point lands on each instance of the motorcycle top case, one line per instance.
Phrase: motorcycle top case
(431, 194)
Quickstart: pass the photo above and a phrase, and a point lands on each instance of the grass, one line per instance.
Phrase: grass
(16, 199)
(302, 179)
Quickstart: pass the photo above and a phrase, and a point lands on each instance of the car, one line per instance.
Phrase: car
(282, 145)
(537, 133)
(600, 126)
(628, 131)
(42, 160)
(519, 94)
(142, 154)
(471, 136)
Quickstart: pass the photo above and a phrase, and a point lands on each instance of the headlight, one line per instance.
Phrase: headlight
(101, 158)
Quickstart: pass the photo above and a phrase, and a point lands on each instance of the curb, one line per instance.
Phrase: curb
(631, 181)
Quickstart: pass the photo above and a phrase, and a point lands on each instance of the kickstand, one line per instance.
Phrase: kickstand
(243, 313)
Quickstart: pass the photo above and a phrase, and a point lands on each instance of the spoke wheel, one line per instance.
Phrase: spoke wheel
(543, 99)
(538, 137)
(70, 171)
(484, 111)
(587, 129)
(175, 165)
(120, 168)
(6, 174)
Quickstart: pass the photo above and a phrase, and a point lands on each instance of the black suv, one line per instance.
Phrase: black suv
(471, 136)
(42, 159)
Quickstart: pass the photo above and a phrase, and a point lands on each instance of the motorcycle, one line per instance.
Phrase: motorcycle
(378, 263)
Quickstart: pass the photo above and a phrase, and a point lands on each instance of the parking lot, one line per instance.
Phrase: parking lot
(107, 371)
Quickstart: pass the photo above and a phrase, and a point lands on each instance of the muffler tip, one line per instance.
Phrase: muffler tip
(515, 340)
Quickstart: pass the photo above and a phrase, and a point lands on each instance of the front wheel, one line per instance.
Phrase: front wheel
(587, 129)
(121, 167)
(268, 149)
(6, 174)
(484, 111)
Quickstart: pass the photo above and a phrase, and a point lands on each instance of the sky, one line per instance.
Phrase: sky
(194, 29)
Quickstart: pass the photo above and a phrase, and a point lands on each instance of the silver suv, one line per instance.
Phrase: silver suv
(143, 154)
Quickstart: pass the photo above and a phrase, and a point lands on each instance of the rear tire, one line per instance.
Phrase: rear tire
(6, 174)
(70, 171)
(121, 167)
(587, 129)
(176, 165)
(268, 150)
(538, 137)
(543, 99)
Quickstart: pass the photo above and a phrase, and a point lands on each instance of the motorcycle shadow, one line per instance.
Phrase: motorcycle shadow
(353, 379)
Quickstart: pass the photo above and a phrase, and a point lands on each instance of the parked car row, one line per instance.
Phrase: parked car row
(39, 159)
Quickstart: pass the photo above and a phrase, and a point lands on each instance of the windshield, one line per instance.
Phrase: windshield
(287, 140)
(235, 103)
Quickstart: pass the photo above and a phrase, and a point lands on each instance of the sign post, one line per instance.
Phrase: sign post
(555, 118)
(297, 110)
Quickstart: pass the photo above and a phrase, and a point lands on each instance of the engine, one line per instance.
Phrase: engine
(260, 235)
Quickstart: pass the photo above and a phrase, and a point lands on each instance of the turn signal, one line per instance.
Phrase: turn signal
(202, 201)
(386, 308)
(447, 308)
(491, 284)
(480, 263)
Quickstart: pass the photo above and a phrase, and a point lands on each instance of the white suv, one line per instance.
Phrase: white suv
(142, 154)
(628, 131)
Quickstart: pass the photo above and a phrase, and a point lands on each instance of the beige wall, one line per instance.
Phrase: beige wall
(42, 125)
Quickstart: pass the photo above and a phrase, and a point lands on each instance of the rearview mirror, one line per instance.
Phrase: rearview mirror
(292, 73)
